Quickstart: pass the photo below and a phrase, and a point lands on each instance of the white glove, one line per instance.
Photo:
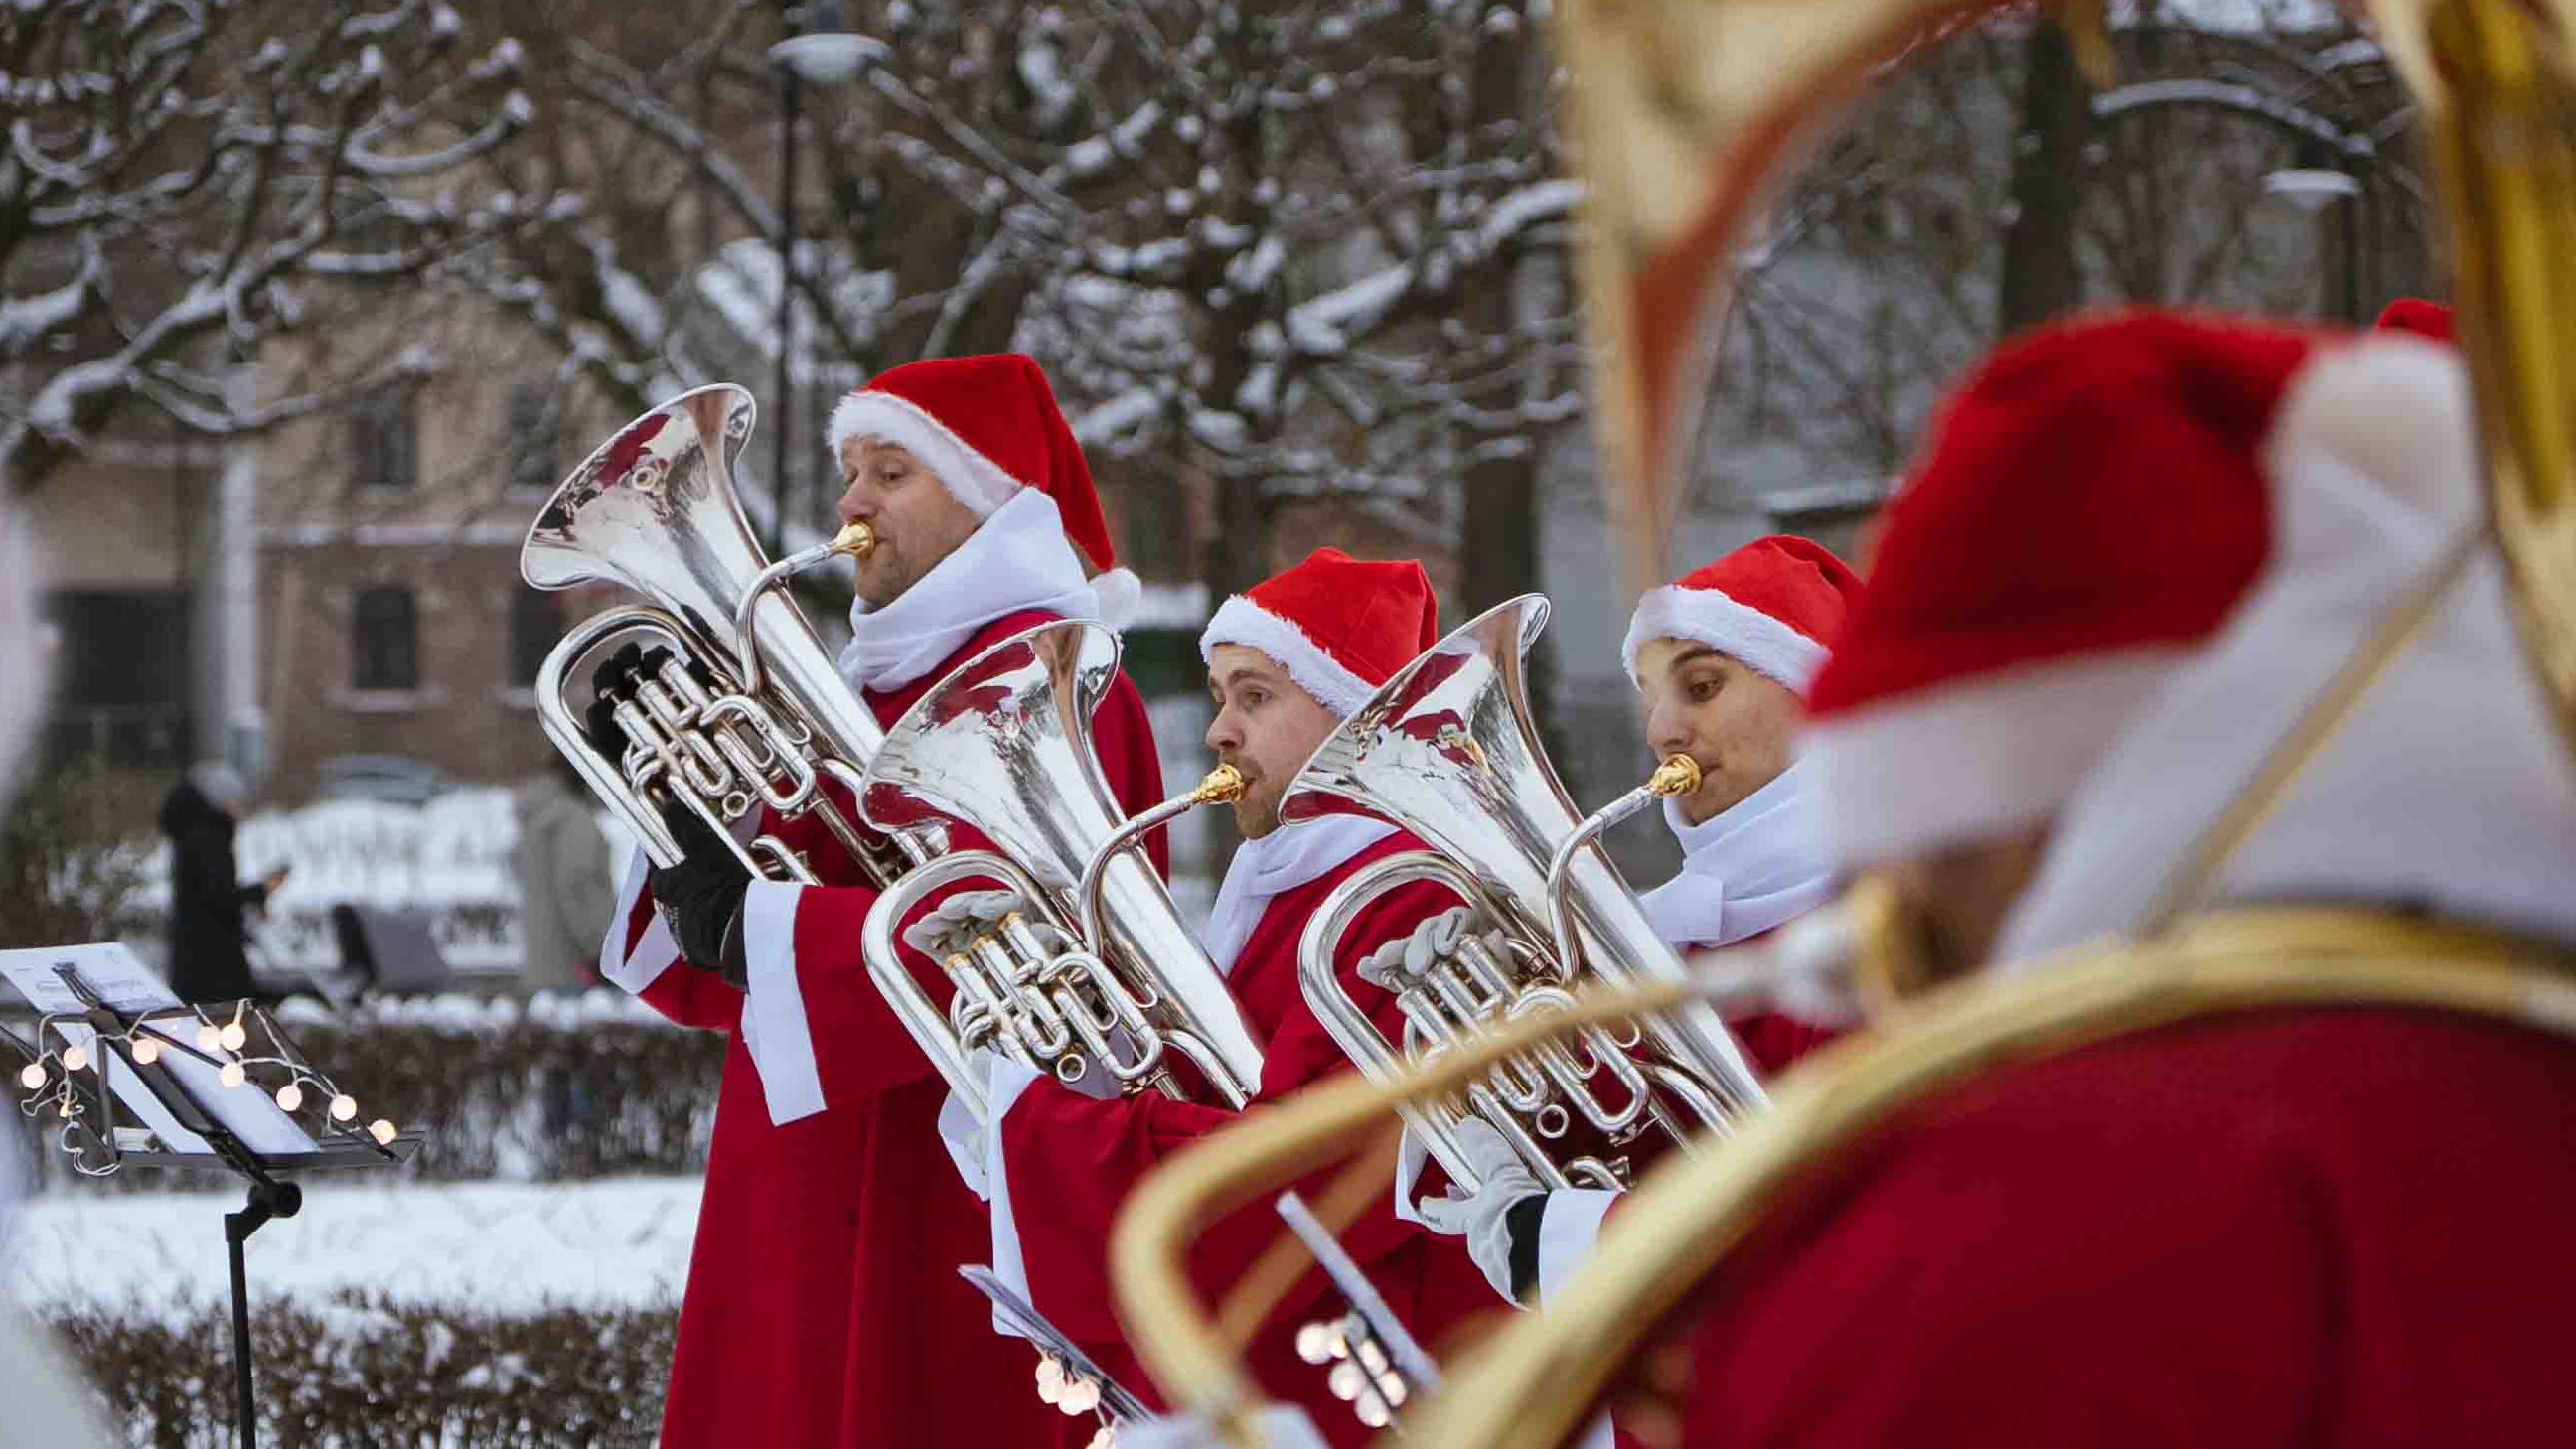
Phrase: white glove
(955, 922)
(1397, 965)
(1481, 1216)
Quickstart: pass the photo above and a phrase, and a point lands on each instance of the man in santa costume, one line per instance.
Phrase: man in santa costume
(1724, 657)
(1287, 661)
(2312, 1226)
(823, 1304)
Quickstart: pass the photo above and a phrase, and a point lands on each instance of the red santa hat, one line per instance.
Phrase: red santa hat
(988, 426)
(1771, 606)
(1340, 626)
(2416, 315)
(2091, 505)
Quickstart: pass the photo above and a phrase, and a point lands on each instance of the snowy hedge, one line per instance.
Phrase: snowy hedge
(551, 1089)
(360, 1371)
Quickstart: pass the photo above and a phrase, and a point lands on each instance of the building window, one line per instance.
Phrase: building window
(384, 636)
(532, 438)
(536, 622)
(121, 677)
(384, 441)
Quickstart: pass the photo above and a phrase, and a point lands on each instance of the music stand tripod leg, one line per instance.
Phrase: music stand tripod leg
(269, 1198)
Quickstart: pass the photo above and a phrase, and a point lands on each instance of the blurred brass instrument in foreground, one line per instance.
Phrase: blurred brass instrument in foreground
(1678, 114)
(1537, 1382)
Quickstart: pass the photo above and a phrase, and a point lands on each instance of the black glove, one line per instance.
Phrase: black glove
(610, 683)
(702, 898)
(1522, 1220)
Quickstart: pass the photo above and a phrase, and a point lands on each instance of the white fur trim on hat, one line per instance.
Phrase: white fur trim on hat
(1119, 592)
(2386, 405)
(1741, 632)
(1989, 753)
(1240, 621)
(977, 480)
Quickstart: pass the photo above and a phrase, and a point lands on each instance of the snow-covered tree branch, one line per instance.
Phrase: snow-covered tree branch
(180, 172)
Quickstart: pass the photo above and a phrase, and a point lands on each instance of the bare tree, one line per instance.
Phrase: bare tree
(183, 176)
(1260, 238)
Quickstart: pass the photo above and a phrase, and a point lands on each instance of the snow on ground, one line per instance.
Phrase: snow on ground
(503, 1247)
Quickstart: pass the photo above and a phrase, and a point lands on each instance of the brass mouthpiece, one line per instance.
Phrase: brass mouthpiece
(1222, 784)
(1677, 775)
(856, 540)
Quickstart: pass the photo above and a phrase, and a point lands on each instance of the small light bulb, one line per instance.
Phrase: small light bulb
(1372, 1411)
(1372, 1357)
(290, 1097)
(1313, 1344)
(210, 1037)
(1080, 1397)
(234, 1038)
(32, 1076)
(1105, 1439)
(232, 1075)
(343, 1108)
(146, 1051)
(1393, 1389)
(1050, 1378)
(1344, 1381)
(74, 1058)
(383, 1131)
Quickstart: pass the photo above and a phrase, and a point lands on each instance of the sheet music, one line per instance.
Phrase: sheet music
(245, 1111)
(135, 1098)
(123, 982)
(108, 968)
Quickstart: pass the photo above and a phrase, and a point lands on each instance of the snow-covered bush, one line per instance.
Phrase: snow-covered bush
(358, 1372)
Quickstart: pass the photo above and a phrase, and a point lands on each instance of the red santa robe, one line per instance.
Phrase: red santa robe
(2316, 1228)
(1069, 1161)
(823, 1305)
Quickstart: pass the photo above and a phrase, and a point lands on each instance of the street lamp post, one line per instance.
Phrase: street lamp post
(817, 50)
(2312, 189)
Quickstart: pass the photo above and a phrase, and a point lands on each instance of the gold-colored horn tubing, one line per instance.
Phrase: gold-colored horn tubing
(1182, 1344)
(1677, 116)
(1536, 1381)
(2499, 90)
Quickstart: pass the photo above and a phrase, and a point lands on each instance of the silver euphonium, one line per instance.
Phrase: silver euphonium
(1447, 750)
(750, 710)
(1093, 967)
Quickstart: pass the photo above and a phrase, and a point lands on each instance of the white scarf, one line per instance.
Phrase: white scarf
(1286, 858)
(1019, 560)
(1757, 863)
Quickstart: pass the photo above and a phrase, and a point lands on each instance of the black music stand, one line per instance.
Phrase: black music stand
(1116, 1402)
(1387, 1365)
(344, 1145)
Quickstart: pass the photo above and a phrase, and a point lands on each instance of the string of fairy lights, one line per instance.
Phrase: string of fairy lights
(293, 1085)
(1361, 1374)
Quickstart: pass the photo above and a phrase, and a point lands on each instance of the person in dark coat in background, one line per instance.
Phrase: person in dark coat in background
(208, 902)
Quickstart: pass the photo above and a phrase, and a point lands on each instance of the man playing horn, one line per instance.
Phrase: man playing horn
(1724, 657)
(823, 1305)
(1286, 663)
(2298, 1225)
